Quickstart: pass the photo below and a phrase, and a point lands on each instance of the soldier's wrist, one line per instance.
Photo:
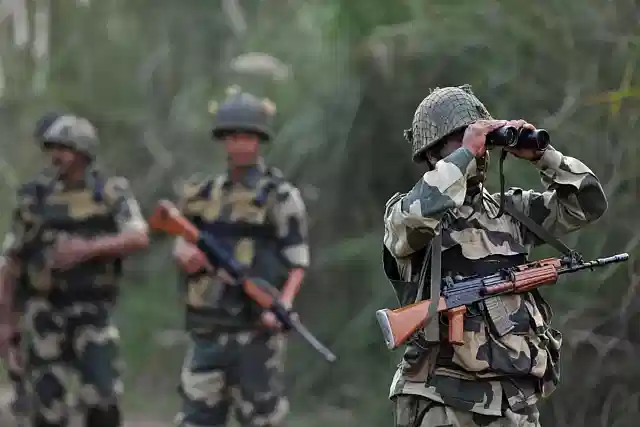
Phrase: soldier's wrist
(464, 160)
(551, 159)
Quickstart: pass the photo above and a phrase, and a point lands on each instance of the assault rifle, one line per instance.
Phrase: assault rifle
(168, 218)
(399, 324)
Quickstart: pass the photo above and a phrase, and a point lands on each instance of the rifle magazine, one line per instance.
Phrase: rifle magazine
(499, 316)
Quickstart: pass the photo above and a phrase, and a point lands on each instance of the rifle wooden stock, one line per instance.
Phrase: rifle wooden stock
(399, 324)
(169, 219)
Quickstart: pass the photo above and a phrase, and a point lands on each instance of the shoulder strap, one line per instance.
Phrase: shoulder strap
(432, 323)
(535, 228)
(422, 276)
(272, 180)
(214, 188)
(99, 182)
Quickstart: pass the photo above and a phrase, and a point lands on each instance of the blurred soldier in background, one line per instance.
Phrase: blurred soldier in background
(235, 359)
(71, 227)
(509, 360)
(11, 334)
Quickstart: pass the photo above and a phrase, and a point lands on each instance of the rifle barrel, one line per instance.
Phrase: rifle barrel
(313, 341)
(599, 262)
(214, 251)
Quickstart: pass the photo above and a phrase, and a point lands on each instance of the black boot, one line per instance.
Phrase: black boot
(98, 417)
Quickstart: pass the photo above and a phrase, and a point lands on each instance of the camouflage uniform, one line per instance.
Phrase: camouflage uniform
(15, 362)
(496, 377)
(67, 319)
(261, 220)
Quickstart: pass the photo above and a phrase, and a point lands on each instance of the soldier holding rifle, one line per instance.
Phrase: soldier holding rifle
(449, 225)
(235, 359)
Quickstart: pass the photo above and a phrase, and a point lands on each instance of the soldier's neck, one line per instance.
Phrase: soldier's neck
(73, 178)
(238, 172)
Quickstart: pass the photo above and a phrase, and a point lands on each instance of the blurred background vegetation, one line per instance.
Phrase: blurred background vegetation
(346, 76)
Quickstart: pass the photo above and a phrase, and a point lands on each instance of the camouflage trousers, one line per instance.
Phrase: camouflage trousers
(62, 341)
(418, 411)
(15, 371)
(239, 371)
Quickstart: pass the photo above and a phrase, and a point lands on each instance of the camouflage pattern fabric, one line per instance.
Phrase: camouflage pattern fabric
(14, 365)
(15, 371)
(262, 222)
(81, 212)
(414, 411)
(522, 365)
(239, 372)
(78, 336)
(67, 313)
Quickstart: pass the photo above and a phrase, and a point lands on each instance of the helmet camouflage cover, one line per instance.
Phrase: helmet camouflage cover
(43, 123)
(71, 131)
(245, 112)
(443, 112)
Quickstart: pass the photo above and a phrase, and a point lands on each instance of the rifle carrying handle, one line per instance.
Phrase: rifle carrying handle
(456, 325)
(169, 219)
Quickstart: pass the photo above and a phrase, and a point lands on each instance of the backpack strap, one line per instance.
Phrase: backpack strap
(432, 323)
(274, 178)
(99, 182)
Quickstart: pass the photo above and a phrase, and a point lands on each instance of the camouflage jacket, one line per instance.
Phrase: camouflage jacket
(46, 208)
(521, 366)
(261, 221)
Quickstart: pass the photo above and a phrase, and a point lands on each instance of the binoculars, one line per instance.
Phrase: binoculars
(510, 137)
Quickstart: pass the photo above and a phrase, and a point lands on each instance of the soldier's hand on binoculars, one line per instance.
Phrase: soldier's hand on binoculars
(475, 135)
(528, 154)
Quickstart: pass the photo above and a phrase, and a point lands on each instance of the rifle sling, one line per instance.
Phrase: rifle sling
(432, 258)
(432, 323)
(541, 232)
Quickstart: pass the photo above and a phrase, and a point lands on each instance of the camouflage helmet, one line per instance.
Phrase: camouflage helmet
(71, 131)
(242, 111)
(443, 112)
(43, 124)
